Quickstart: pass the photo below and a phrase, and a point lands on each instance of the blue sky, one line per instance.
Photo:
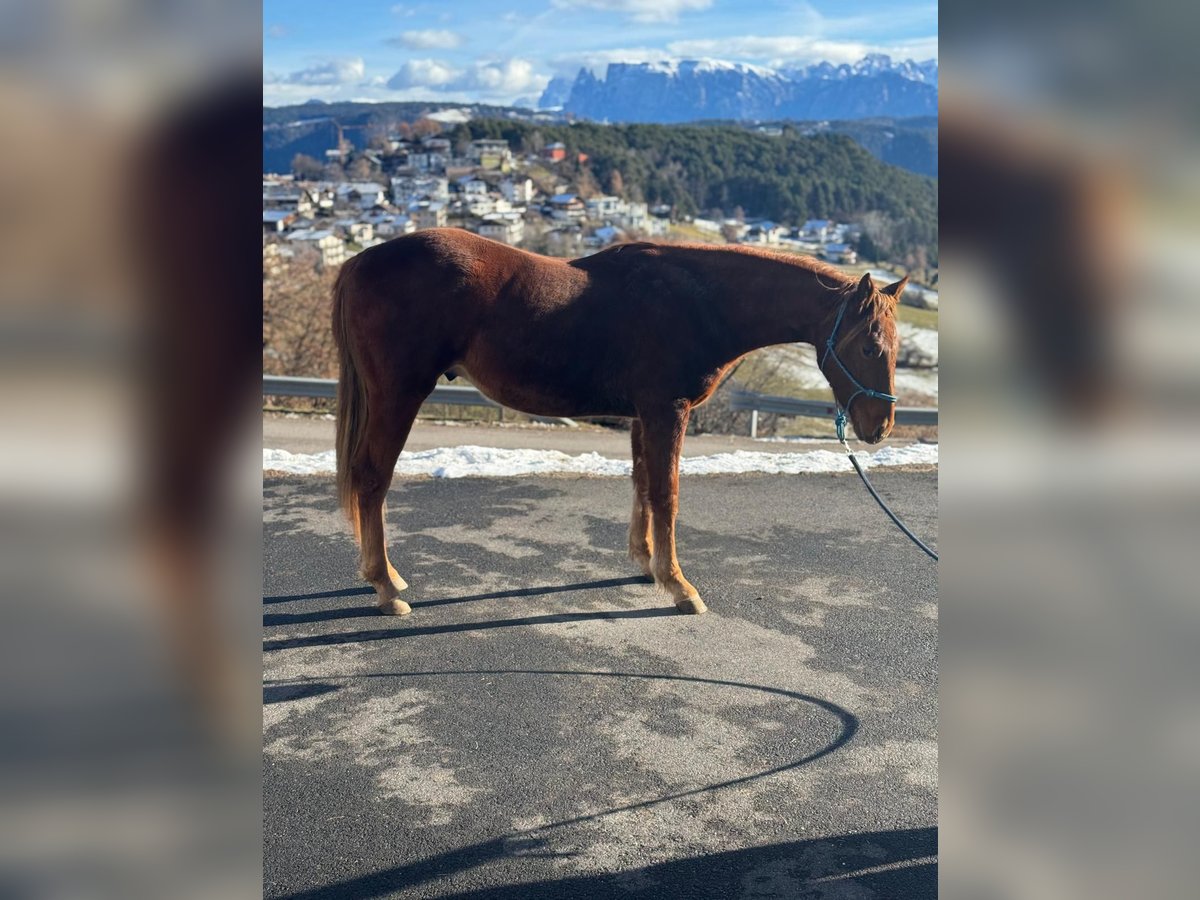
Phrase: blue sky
(501, 50)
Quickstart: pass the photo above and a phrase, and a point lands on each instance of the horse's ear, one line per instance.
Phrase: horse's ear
(895, 290)
(866, 287)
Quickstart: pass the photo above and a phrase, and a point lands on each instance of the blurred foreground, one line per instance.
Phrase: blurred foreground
(1070, 181)
(129, 712)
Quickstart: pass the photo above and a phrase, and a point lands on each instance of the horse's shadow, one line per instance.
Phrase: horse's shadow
(357, 612)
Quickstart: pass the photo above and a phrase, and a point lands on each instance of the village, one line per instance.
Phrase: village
(487, 188)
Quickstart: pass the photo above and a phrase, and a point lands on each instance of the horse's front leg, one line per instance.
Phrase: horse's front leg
(663, 428)
(640, 548)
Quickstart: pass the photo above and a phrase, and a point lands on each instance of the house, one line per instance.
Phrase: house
(407, 188)
(286, 197)
(479, 204)
(277, 220)
(363, 194)
(764, 232)
(816, 230)
(490, 154)
(428, 160)
(604, 207)
(473, 187)
(567, 208)
(362, 232)
(332, 248)
(636, 217)
(428, 214)
(509, 228)
(390, 224)
(603, 236)
(840, 253)
(517, 190)
(555, 152)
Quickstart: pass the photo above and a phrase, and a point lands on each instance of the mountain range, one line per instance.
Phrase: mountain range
(694, 90)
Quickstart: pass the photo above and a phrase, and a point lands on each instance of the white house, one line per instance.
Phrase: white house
(636, 217)
(428, 214)
(473, 187)
(508, 228)
(567, 208)
(407, 188)
(518, 191)
(840, 253)
(764, 232)
(816, 229)
(332, 248)
(364, 194)
(604, 207)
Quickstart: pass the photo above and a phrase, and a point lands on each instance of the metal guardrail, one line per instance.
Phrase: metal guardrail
(465, 395)
(326, 388)
(792, 406)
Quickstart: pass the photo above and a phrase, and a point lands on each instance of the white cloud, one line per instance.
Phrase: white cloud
(429, 73)
(639, 10)
(326, 72)
(509, 77)
(796, 50)
(429, 39)
(499, 79)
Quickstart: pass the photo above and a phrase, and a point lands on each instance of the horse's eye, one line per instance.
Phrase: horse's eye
(871, 349)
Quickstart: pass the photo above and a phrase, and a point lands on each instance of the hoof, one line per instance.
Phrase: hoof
(396, 607)
(691, 606)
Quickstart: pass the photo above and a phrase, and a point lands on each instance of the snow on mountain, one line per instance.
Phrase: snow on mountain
(686, 90)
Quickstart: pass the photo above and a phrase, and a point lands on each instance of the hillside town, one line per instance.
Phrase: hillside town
(405, 184)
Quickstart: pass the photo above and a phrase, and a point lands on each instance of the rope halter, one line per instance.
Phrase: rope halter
(839, 420)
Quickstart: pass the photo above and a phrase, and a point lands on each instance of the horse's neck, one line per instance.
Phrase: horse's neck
(762, 302)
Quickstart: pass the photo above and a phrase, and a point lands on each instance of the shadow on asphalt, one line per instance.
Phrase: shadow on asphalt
(848, 725)
(899, 863)
(361, 591)
(401, 631)
(358, 612)
(282, 693)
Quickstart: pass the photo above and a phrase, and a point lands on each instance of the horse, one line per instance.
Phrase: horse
(640, 330)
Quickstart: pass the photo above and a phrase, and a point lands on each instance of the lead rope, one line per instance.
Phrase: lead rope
(840, 421)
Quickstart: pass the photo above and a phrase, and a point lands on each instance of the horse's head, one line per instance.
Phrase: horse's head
(858, 356)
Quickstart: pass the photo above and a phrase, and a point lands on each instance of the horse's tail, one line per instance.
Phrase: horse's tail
(351, 402)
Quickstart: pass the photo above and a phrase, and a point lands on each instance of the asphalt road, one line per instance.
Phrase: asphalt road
(544, 724)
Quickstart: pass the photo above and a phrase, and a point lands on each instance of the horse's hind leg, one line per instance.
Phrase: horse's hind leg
(663, 428)
(389, 428)
(640, 549)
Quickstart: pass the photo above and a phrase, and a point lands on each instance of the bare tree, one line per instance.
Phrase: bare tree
(306, 168)
(297, 338)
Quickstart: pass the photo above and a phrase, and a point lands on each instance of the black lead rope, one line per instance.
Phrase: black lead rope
(839, 420)
(863, 475)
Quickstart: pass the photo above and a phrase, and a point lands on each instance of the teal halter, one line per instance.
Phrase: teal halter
(839, 420)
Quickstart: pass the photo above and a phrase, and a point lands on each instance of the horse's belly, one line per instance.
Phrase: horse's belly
(545, 393)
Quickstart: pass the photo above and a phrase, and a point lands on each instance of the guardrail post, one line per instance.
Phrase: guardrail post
(754, 423)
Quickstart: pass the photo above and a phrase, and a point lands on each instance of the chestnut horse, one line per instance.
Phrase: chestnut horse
(639, 330)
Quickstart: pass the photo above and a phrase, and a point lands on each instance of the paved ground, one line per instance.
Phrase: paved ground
(544, 726)
(313, 434)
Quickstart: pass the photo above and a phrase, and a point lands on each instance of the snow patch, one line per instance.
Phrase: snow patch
(493, 462)
(450, 116)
